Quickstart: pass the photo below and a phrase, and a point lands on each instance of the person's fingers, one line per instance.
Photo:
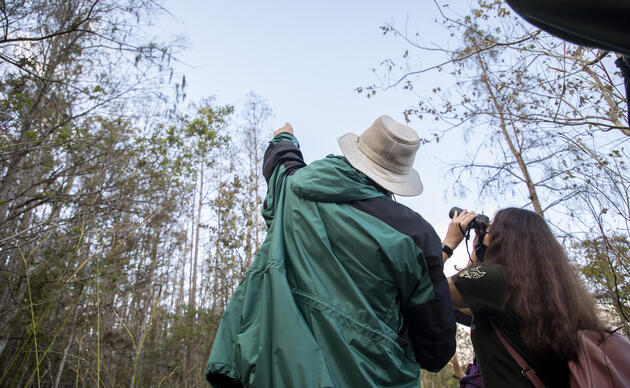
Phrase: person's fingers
(466, 213)
(285, 128)
(457, 218)
(454, 231)
(469, 217)
(465, 219)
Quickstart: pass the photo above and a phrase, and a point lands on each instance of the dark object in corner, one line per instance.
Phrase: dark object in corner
(603, 24)
(600, 24)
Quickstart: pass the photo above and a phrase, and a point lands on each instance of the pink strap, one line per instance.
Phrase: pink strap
(527, 371)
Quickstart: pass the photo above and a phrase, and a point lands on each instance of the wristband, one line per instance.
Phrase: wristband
(446, 249)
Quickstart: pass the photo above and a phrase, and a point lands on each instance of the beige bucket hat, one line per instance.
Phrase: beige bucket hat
(385, 152)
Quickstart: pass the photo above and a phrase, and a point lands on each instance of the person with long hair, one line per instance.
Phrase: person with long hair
(520, 280)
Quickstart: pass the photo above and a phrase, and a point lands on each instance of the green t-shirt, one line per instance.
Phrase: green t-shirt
(483, 289)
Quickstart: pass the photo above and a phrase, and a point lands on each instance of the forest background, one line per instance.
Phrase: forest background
(130, 195)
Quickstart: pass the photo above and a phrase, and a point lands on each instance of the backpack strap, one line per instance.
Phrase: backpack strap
(526, 370)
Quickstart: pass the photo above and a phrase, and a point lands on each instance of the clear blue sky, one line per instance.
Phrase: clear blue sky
(306, 58)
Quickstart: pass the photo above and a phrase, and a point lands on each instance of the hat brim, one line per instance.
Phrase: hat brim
(406, 185)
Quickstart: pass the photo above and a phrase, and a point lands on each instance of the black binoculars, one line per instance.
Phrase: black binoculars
(480, 222)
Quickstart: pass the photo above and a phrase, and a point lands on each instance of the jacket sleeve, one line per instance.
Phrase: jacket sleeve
(283, 151)
(282, 158)
(431, 326)
(424, 299)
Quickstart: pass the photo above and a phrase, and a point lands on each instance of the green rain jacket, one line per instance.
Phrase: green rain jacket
(347, 289)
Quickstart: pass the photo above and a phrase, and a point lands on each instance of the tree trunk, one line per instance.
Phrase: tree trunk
(193, 286)
(63, 360)
(531, 188)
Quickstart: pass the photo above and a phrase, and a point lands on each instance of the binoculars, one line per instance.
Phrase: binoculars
(480, 222)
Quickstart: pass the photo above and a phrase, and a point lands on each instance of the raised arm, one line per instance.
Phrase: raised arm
(454, 236)
(283, 150)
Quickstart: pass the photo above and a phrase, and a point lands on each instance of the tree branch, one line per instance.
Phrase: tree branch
(73, 28)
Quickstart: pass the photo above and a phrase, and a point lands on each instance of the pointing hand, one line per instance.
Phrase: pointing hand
(286, 128)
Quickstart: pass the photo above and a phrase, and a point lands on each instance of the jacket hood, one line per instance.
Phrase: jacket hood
(333, 179)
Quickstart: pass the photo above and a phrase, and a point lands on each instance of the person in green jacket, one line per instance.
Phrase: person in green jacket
(347, 290)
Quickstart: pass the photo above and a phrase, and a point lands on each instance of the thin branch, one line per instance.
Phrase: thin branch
(462, 57)
(71, 29)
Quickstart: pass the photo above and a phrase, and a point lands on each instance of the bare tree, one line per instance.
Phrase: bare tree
(254, 133)
(546, 121)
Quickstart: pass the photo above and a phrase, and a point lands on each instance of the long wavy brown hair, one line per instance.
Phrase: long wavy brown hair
(542, 286)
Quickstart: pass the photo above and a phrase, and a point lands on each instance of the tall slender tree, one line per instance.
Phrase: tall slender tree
(254, 134)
